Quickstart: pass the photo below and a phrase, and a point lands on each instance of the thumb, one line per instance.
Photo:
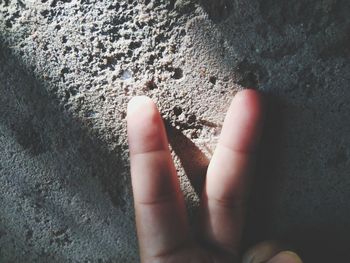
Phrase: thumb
(270, 252)
(285, 257)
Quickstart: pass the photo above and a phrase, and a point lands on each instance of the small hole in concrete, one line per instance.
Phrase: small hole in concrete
(73, 91)
(115, 7)
(213, 79)
(151, 60)
(177, 110)
(44, 13)
(135, 45)
(129, 53)
(29, 234)
(151, 85)
(8, 24)
(192, 119)
(64, 39)
(64, 71)
(127, 74)
(53, 3)
(66, 94)
(178, 73)
(68, 49)
(194, 135)
(250, 74)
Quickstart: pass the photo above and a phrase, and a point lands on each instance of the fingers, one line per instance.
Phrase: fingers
(228, 174)
(159, 206)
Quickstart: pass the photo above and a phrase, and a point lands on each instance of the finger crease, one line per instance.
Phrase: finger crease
(169, 198)
(237, 151)
(228, 203)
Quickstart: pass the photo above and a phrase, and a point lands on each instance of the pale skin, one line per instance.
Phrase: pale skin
(162, 226)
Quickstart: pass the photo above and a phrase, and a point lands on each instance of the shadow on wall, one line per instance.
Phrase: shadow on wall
(70, 186)
(218, 10)
(79, 169)
(41, 128)
(192, 159)
(324, 240)
(298, 52)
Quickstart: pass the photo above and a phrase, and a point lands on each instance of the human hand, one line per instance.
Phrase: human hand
(161, 219)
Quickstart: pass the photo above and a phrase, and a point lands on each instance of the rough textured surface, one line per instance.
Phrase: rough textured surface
(68, 68)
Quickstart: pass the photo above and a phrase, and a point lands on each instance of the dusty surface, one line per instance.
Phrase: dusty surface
(68, 68)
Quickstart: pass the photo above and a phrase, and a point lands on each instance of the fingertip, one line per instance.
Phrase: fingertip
(145, 126)
(244, 120)
(253, 100)
(142, 115)
(249, 91)
(138, 104)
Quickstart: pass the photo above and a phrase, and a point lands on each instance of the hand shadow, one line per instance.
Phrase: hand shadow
(193, 160)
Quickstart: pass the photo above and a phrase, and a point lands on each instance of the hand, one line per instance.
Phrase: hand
(161, 220)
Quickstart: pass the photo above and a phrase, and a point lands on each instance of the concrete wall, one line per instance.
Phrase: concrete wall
(69, 67)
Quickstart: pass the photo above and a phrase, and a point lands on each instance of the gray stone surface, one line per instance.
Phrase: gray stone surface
(68, 68)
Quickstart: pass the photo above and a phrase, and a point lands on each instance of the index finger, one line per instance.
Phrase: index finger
(159, 206)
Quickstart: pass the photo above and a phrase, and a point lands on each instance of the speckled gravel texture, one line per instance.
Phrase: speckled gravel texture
(69, 67)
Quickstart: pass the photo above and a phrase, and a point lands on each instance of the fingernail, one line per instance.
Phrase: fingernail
(138, 103)
(286, 257)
